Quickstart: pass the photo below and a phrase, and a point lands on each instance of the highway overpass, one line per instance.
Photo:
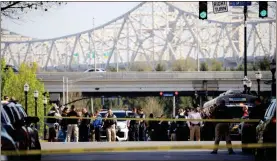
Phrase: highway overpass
(103, 82)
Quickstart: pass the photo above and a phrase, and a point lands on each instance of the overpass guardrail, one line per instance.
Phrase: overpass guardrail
(203, 75)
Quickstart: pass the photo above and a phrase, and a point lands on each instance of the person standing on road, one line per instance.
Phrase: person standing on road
(151, 128)
(134, 126)
(97, 125)
(258, 111)
(84, 126)
(142, 126)
(72, 125)
(181, 127)
(195, 126)
(110, 124)
(222, 128)
(52, 123)
(63, 124)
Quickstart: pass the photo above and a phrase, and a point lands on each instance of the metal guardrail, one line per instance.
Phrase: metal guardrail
(207, 75)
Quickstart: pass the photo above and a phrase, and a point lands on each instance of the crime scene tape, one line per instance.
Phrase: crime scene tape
(161, 119)
(134, 149)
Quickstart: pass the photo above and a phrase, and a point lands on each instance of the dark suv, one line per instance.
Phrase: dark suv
(19, 126)
(266, 133)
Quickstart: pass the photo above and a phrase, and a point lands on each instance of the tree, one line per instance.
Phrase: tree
(152, 105)
(188, 64)
(15, 9)
(216, 65)
(240, 68)
(264, 64)
(3, 75)
(204, 66)
(14, 87)
(141, 67)
(160, 67)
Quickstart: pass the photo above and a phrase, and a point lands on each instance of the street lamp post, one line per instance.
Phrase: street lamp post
(245, 80)
(26, 89)
(273, 84)
(258, 77)
(44, 104)
(36, 102)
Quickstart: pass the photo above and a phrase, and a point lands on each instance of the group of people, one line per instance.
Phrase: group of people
(67, 126)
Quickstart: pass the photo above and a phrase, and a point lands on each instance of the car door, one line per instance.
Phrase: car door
(265, 121)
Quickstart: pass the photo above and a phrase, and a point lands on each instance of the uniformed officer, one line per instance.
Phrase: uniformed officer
(142, 125)
(134, 126)
(222, 128)
(182, 128)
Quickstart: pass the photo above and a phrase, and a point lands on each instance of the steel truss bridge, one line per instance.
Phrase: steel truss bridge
(150, 33)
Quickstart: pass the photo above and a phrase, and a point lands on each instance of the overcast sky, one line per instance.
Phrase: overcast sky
(71, 18)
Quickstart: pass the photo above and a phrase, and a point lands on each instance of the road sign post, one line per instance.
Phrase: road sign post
(220, 7)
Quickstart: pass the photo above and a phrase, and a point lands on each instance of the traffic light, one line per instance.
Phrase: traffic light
(203, 7)
(263, 9)
(161, 93)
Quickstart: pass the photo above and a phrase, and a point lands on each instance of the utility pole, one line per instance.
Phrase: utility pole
(245, 38)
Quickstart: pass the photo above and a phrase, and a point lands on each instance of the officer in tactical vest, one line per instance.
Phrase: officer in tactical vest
(142, 126)
(222, 128)
(181, 127)
(134, 126)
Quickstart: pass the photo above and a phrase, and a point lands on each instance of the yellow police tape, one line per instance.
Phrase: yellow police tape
(134, 149)
(163, 119)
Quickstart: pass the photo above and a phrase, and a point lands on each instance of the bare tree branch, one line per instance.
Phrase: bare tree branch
(9, 6)
(17, 9)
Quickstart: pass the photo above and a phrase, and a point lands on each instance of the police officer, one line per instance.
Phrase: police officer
(222, 128)
(134, 126)
(181, 127)
(84, 126)
(142, 126)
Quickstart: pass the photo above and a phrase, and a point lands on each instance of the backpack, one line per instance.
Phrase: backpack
(97, 122)
(51, 120)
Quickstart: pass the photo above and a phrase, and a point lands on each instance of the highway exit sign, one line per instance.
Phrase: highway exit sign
(240, 3)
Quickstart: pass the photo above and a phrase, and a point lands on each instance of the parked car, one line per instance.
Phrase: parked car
(8, 144)
(97, 70)
(266, 133)
(121, 129)
(14, 69)
(20, 127)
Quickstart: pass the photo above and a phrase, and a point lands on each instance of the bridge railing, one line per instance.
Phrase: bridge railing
(207, 75)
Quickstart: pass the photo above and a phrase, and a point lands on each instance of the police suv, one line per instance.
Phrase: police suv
(121, 129)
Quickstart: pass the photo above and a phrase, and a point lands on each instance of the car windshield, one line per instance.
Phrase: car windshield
(21, 111)
(117, 114)
(4, 117)
(236, 111)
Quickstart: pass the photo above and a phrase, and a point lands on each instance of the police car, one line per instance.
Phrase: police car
(121, 129)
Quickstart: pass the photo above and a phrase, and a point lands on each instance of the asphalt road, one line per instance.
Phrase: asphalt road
(169, 155)
(190, 155)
